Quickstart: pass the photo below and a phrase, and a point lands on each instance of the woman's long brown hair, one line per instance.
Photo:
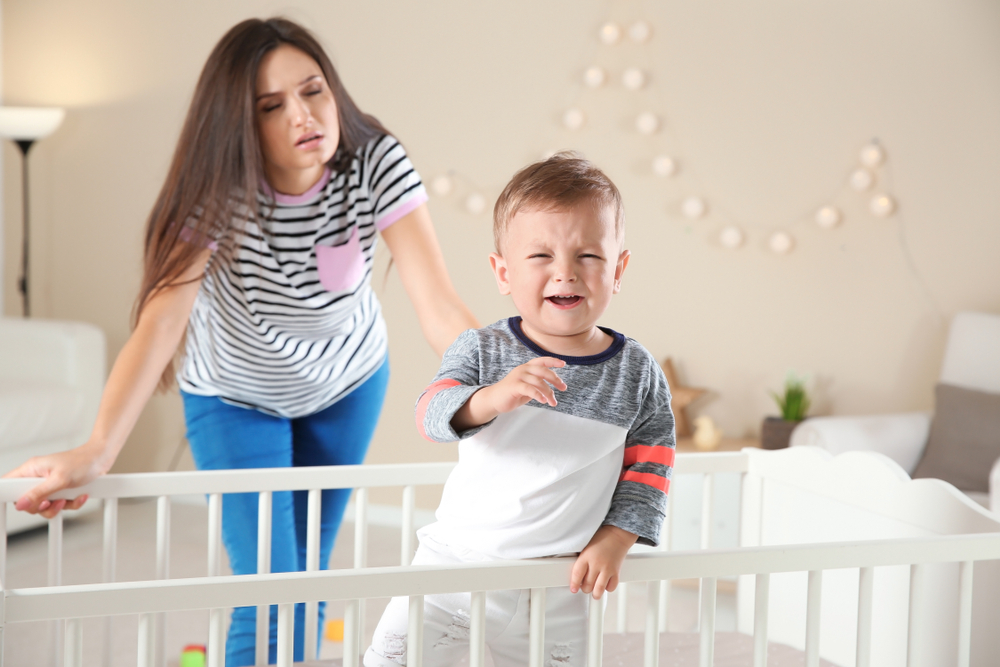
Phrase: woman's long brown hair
(217, 166)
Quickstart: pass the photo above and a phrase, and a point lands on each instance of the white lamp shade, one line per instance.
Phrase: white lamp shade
(29, 123)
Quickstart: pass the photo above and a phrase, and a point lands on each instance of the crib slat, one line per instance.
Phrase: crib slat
(162, 570)
(917, 584)
(706, 510)
(762, 593)
(415, 633)
(536, 628)
(264, 499)
(651, 654)
(813, 600)
(312, 565)
(622, 615)
(706, 654)
(214, 534)
(3, 547)
(216, 649)
(352, 645)
(361, 546)
(406, 541)
(666, 540)
(147, 640)
(595, 636)
(55, 579)
(286, 634)
(108, 564)
(73, 656)
(965, 613)
(477, 629)
(866, 597)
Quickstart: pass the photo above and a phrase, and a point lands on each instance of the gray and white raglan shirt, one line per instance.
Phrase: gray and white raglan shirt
(540, 480)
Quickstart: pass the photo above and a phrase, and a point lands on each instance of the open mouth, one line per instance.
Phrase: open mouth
(566, 301)
(309, 138)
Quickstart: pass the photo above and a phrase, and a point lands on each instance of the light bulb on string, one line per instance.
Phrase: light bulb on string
(647, 122)
(882, 205)
(594, 77)
(694, 208)
(781, 243)
(441, 185)
(664, 165)
(862, 179)
(475, 203)
(731, 237)
(640, 32)
(872, 155)
(828, 217)
(610, 33)
(633, 78)
(573, 119)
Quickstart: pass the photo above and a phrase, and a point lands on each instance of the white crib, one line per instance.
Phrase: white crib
(846, 559)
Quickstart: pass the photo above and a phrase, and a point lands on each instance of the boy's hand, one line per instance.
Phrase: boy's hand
(531, 381)
(597, 567)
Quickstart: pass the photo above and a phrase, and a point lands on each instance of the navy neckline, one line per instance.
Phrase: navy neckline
(514, 323)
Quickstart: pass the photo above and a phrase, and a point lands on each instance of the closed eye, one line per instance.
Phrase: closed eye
(538, 255)
(591, 256)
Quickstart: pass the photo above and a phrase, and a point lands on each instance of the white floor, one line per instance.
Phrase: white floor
(33, 644)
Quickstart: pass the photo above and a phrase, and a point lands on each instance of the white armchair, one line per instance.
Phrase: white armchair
(51, 378)
(971, 361)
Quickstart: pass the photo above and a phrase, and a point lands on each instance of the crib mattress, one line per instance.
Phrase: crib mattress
(677, 649)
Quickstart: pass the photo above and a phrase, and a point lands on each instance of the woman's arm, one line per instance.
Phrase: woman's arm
(418, 258)
(132, 381)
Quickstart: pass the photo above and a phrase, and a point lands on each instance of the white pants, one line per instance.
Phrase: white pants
(446, 623)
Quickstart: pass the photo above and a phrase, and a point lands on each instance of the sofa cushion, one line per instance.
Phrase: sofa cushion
(964, 441)
(35, 411)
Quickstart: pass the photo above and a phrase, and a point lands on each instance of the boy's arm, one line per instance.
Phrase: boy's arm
(457, 379)
(640, 499)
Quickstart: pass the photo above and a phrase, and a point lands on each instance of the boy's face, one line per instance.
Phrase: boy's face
(561, 267)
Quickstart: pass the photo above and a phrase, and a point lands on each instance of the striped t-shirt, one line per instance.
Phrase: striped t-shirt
(540, 480)
(291, 324)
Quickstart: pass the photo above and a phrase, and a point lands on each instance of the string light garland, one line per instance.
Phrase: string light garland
(696, 208)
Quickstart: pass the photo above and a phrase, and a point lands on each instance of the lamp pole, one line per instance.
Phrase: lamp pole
(22, 284)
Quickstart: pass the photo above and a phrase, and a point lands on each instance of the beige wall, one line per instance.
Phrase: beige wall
(767, 105)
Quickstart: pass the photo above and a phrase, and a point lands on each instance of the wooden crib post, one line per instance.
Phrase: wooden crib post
(162, 570)
(651, 652)
(536, 628)
(361, 549)
(286, 634)
(595, 635)
(216, 617)
(55, 579)
(761, 596)
(866, 590)
(813, 601)
(406, 541)
(415, 633)
(965, 613)
(706, 654)
(477, 630)
(73, 656)
(264, 499)
(147, 641)
(312, 565)
(622, 616)
(918, 584)
(109, 554)
(352, 641)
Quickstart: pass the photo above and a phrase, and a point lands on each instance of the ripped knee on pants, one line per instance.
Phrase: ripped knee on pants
(561, 655)
(393, 648)
(457, 631)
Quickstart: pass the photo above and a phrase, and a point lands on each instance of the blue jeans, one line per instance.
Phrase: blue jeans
(224, 436)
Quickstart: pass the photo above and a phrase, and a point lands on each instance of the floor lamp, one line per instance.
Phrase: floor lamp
(26, 125)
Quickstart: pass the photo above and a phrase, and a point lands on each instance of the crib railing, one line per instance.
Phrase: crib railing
(264, 482)
(146, 598)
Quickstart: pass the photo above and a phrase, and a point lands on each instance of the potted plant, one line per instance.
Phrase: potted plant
(794, 404)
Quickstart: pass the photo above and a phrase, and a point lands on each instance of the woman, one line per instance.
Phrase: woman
(260, 248)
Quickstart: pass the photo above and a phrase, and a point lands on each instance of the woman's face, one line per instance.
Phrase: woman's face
(296, 119)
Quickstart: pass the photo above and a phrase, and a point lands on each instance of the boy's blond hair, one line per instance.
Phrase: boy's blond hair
(562, 181)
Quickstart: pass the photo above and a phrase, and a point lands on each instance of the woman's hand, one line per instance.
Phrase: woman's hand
(132, 380)
(418, 258)
(62, 470)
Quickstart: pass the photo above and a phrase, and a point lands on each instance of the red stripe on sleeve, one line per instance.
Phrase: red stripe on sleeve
(425, 400)
(646, 454)
(649, 479)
